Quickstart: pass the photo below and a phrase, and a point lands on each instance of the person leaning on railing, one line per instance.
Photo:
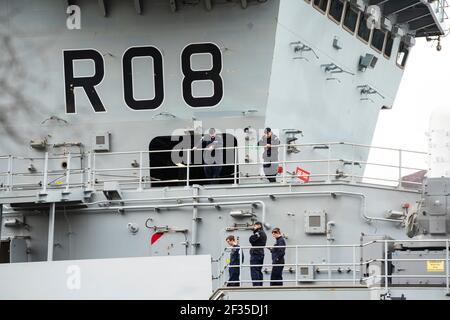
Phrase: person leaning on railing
(270, 155)
(210, 143)
(278, 252)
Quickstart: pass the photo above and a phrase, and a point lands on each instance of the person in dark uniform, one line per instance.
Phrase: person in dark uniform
(278, 251)
(258, 239)
(234, 269)
(211, 156)
(270, 142)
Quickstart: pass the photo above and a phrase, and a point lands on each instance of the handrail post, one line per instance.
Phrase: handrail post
(188, 166)
(240, 266)
(89, 170)
(223, 268)
(296, 265)
(93, 171)
(236, 150)
(330, 276)
(361, 254)
(386, 286)
(329, 164)
(82, 156)
(354, 264)
(10, 174)
(141, 157)
(218, 271)
(284, 163)
(44, 183)
(68, 172)
(352, 179)
(400, 169)
(447, 272)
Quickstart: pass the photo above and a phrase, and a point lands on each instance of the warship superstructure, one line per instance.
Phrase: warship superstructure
(103, 194)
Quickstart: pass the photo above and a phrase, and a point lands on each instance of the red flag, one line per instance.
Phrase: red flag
(155, 237)
(302, 174)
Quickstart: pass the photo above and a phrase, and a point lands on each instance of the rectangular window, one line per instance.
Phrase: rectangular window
(4, 251)
(336, 9)
(169, 168)
(363, 30)
(350, 19)
(321, 5)
(389, 45)
(378, 39)
(402, 55)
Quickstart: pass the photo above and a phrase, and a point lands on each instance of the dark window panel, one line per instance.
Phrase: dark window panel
(363, 30)
(378, 39)
(389, 45)
(350, 19)
(336, 9)
(321, 5)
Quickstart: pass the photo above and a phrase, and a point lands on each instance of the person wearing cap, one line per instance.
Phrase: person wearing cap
(234, 264)
(278, 251)
(270, 155)
(258, 239)
(210, 143)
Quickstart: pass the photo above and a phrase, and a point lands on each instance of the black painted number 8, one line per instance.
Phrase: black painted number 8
(213, 75)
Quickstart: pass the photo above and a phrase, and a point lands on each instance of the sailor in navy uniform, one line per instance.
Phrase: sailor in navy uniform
(258, 239)
(278, 251)
(234, 264)
(212, 155)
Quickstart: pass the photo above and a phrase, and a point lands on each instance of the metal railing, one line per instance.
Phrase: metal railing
(91, 170)
(331, 274)
(441, 6)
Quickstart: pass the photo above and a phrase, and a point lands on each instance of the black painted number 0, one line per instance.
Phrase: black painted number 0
(191, 76)
(149, 52)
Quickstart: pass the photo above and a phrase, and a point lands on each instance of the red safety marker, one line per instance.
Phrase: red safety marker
(303, 174)
(155, 237)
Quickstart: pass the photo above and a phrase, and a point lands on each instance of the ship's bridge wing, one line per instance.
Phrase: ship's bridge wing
(423, 17)
(174, 5)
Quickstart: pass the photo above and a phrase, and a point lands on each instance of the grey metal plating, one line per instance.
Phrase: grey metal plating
(65, 198)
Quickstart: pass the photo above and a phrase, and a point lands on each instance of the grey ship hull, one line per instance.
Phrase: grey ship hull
(266, 81)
